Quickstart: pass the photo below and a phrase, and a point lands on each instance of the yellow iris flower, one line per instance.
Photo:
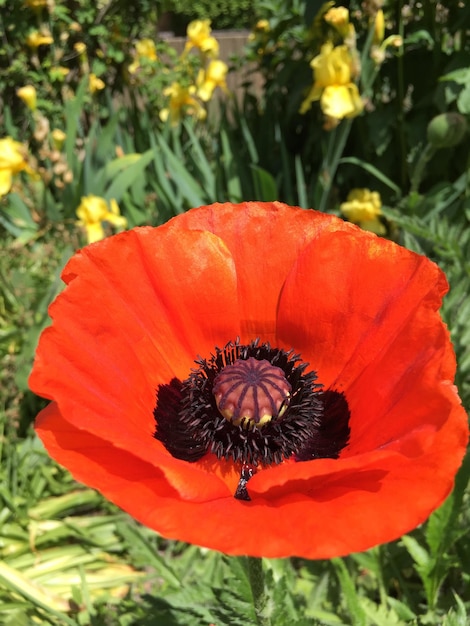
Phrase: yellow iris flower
(95, 84)
(199, 36)
(181, 99)
(12, 161)
(210, 78)
(36, 39)
(144, 49)
(363, 207)
(93, 211)
(333, 71)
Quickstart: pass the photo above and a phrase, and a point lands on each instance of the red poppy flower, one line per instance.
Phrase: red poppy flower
(256, 379)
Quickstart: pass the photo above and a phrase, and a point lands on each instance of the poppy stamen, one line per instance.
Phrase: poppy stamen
(253, 405)
(251, 391)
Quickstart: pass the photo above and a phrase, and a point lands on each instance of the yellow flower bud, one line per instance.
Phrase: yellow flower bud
(80, 47)
(28, 95)
(338, 18)
(379, 27)
(95, 83)
(36, 5)
(262, 26)
(394, 40)
(58, 138)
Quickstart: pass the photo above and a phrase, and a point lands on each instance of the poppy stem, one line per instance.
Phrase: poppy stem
(255, 575)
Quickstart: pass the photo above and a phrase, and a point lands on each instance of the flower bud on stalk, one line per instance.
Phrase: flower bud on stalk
(446, 130)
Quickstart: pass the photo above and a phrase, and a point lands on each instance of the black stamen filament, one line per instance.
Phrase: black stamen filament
(253, 405)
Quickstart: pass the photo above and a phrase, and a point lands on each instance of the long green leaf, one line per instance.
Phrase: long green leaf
(231, 172)
(190, 188)
(301, 184)
(374, 171)
(264, 183)
(201, 162)
(128, 176)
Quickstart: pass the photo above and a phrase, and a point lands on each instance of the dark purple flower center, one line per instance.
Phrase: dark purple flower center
(253, 405)
(251, 391)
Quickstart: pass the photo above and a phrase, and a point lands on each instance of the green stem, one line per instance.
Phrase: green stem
(378, 553)
(400, 99)
(425, 156)
(337, 141)
(254, 570)
(369, 69)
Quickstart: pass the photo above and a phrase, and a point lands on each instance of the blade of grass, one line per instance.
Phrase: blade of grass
(14, 580)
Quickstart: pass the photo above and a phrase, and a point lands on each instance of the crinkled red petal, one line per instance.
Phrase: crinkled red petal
(317, 509)
(371, 330)
(138, 309)
(264, 240)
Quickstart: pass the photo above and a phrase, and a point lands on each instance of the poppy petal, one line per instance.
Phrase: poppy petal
(264, 240)
(377, 335)
(113, 341)
(285, 517)
(357, 292)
